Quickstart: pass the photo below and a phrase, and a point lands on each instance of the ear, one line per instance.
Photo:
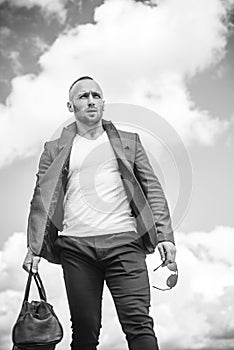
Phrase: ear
(103, 106)
(70, 107)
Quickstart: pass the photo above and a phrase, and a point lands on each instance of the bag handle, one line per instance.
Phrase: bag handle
(39, 284)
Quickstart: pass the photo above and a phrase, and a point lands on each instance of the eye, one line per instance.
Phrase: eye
(83, 96)
(96, 96)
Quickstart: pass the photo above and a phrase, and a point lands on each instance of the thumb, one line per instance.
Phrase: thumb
(35, 262)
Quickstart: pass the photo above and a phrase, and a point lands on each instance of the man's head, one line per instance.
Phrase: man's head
(86, 101)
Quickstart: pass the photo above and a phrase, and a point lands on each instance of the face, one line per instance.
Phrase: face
(86, 101)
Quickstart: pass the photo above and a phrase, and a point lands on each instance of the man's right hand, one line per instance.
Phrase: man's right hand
(31, 260)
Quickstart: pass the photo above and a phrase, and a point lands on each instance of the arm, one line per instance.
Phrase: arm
(157, 201)
(31, 258)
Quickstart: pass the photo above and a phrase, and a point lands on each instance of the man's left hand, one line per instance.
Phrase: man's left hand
(167, 251)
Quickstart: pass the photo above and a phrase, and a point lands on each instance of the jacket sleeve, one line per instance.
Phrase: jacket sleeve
(154, 193)
(35, 204)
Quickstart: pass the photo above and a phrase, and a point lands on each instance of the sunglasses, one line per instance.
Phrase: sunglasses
(172, 279)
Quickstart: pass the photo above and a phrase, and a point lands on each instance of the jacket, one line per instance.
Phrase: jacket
(144, 192)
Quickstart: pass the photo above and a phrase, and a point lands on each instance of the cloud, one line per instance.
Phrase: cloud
(140, 54)
(4, 33)
(202, 304)
(38, 45)
(14, 56)
(197, 314)
(51, 7)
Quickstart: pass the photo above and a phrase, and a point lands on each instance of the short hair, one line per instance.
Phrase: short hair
(81, 78)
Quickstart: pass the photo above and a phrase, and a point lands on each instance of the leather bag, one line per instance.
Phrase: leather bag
(37, 326)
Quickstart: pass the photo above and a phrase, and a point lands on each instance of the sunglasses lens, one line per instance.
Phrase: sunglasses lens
(172, 280)
(172, 266)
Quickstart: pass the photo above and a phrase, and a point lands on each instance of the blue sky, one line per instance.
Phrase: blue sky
(168, 58)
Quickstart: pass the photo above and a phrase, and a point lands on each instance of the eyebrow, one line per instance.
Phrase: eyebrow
(87, 92)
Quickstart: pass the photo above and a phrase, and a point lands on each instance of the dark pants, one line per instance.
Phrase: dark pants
(120, 261)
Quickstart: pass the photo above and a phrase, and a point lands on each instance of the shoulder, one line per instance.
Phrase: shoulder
(52, 148)
(129, 135)
(52, 145)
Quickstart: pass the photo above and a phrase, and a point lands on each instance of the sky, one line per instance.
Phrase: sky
(166, 69)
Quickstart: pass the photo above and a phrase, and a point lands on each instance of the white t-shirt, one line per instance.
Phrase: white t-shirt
(95, 202)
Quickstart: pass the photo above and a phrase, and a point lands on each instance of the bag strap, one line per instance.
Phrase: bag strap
(39, 284)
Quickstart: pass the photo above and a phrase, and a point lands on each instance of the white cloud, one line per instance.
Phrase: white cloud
(140, 54)
(49, 7)
(198, 313)
(196, 309)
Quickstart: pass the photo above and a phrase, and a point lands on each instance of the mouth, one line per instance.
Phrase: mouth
(91, 110)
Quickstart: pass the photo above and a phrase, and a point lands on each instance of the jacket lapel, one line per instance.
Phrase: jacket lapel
(70, 131)
(51, 180)
(116, 143)
(67, 135)
(133, 189)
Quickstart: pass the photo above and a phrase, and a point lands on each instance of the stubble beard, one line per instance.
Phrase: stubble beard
(86, 120)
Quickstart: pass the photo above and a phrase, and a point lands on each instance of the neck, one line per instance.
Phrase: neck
(89, 131)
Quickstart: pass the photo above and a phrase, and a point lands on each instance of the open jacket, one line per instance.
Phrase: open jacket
(144, 192)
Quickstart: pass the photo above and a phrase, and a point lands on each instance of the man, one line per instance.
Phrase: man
(96, 186)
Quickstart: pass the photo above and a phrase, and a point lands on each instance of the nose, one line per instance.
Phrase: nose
(90, 100)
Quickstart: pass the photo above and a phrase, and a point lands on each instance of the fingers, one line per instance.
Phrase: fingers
(27, 262)
(26, 266)
(170, 254)
(167, 252)
(35, 262)
(31, 261)
(173, 253)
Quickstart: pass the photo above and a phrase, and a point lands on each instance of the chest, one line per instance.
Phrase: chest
(92, 156)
